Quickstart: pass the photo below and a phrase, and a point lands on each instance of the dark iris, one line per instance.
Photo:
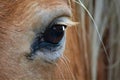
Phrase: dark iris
(49, 39)
(54, 34)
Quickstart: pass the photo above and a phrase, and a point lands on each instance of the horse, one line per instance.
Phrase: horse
(53, 40)
(32, 39)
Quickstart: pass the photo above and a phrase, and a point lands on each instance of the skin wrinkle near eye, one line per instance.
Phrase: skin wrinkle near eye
(47, 15)
(41, 16)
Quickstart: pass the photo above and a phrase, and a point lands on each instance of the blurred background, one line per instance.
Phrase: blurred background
(93, 46)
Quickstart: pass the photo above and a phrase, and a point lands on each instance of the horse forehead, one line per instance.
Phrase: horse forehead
(12, 8)
(46, 3)
(50, 3)
(54, 1)
(42, 6)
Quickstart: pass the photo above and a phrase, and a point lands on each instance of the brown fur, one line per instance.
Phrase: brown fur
(18, 20)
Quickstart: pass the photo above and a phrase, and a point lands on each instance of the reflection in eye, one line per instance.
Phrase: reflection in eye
(52, 37)
(54, 34)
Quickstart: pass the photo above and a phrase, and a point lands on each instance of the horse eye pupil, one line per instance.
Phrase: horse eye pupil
(54, 34)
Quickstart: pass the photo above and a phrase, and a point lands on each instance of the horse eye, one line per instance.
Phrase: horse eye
(54, 34)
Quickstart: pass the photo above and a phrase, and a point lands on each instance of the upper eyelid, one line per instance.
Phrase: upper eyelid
(48, 16)
(63, 21)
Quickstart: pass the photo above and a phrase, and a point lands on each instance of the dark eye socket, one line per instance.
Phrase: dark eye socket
(54, 34)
